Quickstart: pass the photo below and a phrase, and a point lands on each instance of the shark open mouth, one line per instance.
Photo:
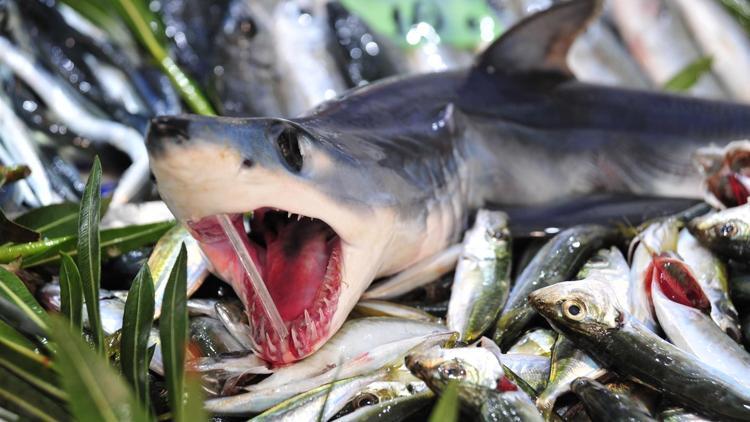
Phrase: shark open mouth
(299, 259)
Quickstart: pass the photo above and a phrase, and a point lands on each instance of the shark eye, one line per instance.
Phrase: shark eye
(288, 143)
(573, 310)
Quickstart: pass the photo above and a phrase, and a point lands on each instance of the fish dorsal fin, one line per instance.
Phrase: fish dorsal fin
(541, 41)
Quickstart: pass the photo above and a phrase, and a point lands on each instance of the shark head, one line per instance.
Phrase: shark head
(325, 220)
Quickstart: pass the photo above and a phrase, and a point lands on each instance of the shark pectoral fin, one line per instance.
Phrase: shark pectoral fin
(541, 41)
(418, 275)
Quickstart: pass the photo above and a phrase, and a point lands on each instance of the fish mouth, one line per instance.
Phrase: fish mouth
(300, 261)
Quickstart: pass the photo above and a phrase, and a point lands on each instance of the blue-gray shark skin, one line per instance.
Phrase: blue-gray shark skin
(395, 167)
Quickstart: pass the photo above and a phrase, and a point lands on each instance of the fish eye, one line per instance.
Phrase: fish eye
(288, 144)
(452, 370)
(573, 310)
(247, 27)
(365, 399)
(496, 234)
(726, 230)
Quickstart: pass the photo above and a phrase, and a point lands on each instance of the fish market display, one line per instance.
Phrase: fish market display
(402, 210)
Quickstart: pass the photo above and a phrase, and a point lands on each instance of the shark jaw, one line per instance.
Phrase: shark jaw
(316, 256)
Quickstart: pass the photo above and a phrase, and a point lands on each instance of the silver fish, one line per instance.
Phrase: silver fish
(695, 332)
(657, 237)
(363, 345)
(482, 280)
(711, 274)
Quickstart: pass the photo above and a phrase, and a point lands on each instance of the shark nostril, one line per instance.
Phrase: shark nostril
(169, 127)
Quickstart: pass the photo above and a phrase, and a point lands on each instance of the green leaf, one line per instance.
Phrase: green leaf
(17, 355)
(689, 76)
(30, 366)
(71, 292)
(137, 320)
(114, 242)
(446, 409)
(103, 17)
(13, 289)
(89, 254)
(57, 220)
(147, 29)
(96, 391)
(173, 332)
(740, 9)
(21, 397)
(13, 232)
(194, 410)
(14, 316)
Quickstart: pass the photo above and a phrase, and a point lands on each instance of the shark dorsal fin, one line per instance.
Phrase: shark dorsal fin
(541, 41)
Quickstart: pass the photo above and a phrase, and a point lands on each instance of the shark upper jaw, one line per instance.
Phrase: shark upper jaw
(317, 256)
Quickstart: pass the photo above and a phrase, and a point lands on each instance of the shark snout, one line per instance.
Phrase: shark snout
(165, 130)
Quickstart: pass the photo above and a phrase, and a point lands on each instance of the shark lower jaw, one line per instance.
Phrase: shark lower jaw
(301, 261)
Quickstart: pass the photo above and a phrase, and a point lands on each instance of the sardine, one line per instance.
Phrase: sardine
(657, 237)
(725, 232)
(559, 259)
(482, 280)
(711, 274)
(603, 404)
(693, 331)
(589, 313)
(363, 345)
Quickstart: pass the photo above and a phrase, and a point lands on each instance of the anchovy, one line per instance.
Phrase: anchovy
(370, 183)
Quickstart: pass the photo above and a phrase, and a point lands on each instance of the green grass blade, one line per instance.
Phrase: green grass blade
(173, 332)
(446, 409)
(71, 292)
(20, 397)
(194, 410)
(97, 392)
(114, 242)
(139, 18)
(89, 255)
(689, 76)
(13, 289)
(137, 320)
